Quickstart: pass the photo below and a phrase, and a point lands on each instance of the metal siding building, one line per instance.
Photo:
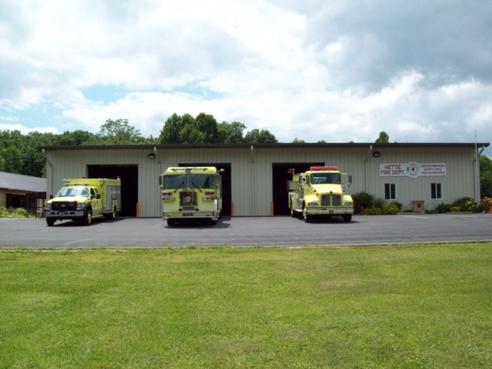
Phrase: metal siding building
(253, 189)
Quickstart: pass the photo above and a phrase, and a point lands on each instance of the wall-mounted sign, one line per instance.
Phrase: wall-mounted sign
(412, 169)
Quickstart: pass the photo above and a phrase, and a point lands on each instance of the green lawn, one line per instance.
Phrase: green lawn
(376, 307)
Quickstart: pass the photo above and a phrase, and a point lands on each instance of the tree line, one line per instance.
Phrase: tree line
(22, 153)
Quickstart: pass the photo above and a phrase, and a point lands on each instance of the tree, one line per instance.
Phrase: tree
(259, 136)
(119, 132)
(207, 125)
(485, 176)
(202, 129)
(383, 138)
(12, 159)
(298, 140)
(231, 133)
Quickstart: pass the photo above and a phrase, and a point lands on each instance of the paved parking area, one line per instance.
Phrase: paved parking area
(254, 231)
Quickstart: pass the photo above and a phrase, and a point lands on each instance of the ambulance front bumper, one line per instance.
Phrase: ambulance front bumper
(68, 214)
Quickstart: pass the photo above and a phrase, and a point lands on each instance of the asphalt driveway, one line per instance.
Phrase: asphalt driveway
(254, 231)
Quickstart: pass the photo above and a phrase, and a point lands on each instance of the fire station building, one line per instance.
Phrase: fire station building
(255, 176)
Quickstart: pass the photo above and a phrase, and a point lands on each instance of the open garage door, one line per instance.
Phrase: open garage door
(129, 184)
(226, 183)
(280, 175)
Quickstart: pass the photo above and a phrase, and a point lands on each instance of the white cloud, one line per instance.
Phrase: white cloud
(24, 129)
(312, 69)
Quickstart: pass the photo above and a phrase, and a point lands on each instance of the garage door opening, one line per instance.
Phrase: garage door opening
(129, 184)
(281, 173)
(226, 183)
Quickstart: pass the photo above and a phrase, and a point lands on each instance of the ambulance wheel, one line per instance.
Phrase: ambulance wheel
(171, 222)
(88, 216)
(347, 218)
(111, 215)
(50, 222)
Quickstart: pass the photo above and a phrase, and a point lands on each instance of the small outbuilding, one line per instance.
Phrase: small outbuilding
(418, 175)
(20, 191)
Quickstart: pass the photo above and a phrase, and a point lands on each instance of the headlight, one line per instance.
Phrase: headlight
(312, 204)
(349, 203)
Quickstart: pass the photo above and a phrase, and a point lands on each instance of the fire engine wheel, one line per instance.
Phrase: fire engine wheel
(171, 222)
(50, 222)
(88, 216)
(347, 218)
(306, 216)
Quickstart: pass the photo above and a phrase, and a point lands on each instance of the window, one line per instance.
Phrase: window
(389, 191)
(176, 181)
(435, 191)
(326, 178)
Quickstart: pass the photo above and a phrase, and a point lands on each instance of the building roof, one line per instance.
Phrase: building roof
(19, 182)
(270, 146)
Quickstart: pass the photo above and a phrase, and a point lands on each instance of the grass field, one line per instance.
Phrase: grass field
(377, 307)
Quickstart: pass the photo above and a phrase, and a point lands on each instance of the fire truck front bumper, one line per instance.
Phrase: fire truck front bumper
(330, 211)
(191, 215)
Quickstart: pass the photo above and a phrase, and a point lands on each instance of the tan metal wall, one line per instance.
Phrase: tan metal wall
(252, 171)
(3, 199)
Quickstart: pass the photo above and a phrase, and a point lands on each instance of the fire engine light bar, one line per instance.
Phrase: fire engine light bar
(322, 168)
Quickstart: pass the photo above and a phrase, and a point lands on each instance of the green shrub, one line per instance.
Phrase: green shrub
(20, 213)
(378, 203)
(397, 204)
(466, 204)
(373, 211)
(14, 213)
(443, 208)
(455, 209)
(4, 213)
(390, 209)
(362, 200)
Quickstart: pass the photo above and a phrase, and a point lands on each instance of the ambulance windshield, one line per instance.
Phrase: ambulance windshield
(73, 192)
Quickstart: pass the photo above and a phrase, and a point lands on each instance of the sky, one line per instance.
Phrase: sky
(333, 70)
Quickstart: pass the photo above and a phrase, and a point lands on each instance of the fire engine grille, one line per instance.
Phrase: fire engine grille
(336, 200)
(188, 199)
(64, 205)
(325, 200)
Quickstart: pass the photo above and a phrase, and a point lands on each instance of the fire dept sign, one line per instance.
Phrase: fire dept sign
(412, 169)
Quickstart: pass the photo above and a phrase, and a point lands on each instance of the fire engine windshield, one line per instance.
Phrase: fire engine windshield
(73, 192)
(189, 181)
(326, 178)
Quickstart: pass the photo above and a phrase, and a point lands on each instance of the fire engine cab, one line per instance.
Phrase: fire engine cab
(320, 191)
(191, 193)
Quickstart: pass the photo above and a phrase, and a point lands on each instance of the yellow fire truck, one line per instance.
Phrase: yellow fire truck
(83, 199)
(320, 192)
(191, 193)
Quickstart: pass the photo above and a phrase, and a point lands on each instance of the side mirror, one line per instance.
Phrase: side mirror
(51, 196)
(160, 181)
(98, 196)
(350, 179)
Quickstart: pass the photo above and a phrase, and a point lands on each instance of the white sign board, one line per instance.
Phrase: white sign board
(412, 169)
